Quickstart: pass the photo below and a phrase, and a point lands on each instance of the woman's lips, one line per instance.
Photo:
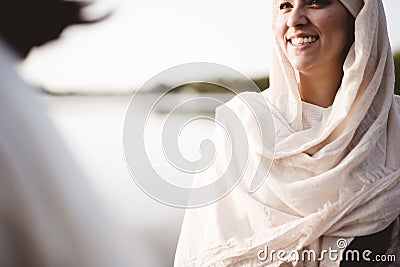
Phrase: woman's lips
(299, 41)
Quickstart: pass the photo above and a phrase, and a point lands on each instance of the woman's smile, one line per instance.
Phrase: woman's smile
(302, 41)
(312, 34)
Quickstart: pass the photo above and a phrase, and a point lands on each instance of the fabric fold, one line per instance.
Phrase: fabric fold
(337, 180)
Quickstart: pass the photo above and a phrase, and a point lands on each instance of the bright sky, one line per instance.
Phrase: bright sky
(143, 38)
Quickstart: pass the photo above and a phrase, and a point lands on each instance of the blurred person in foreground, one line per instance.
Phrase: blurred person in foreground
(49, 216)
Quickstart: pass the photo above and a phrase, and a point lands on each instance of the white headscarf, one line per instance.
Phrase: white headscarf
(338, 179)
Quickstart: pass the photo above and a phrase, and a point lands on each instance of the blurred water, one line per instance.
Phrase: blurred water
(92, 127)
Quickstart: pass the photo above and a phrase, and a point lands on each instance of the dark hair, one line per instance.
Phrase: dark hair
(28, 23)
(351, 33)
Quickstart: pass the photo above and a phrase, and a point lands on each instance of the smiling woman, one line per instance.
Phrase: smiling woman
(335, 178)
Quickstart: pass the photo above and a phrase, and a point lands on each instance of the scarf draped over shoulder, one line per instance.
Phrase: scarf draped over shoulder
(327, 184)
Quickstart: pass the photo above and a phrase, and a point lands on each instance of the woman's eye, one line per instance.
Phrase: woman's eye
(285, 5)
(318, 2)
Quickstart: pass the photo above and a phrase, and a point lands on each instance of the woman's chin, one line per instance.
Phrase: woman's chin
(303, 67)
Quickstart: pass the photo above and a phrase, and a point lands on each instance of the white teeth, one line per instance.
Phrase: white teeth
(297, 41)
(302, 40)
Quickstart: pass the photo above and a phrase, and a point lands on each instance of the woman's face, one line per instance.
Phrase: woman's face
(313, 33)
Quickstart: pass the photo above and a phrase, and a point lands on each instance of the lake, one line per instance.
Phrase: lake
(92, 127)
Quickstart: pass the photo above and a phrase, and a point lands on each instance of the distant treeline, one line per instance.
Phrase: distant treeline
(237, 86)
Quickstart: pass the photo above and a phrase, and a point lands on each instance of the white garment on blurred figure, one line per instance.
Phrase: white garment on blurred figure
(49, 216)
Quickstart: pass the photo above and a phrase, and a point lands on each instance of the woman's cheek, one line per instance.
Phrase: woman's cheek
(280, 35)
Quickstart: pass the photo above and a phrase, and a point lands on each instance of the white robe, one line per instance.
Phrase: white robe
(329, 183)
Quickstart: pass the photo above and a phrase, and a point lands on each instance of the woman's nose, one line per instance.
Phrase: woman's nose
(297, 17)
